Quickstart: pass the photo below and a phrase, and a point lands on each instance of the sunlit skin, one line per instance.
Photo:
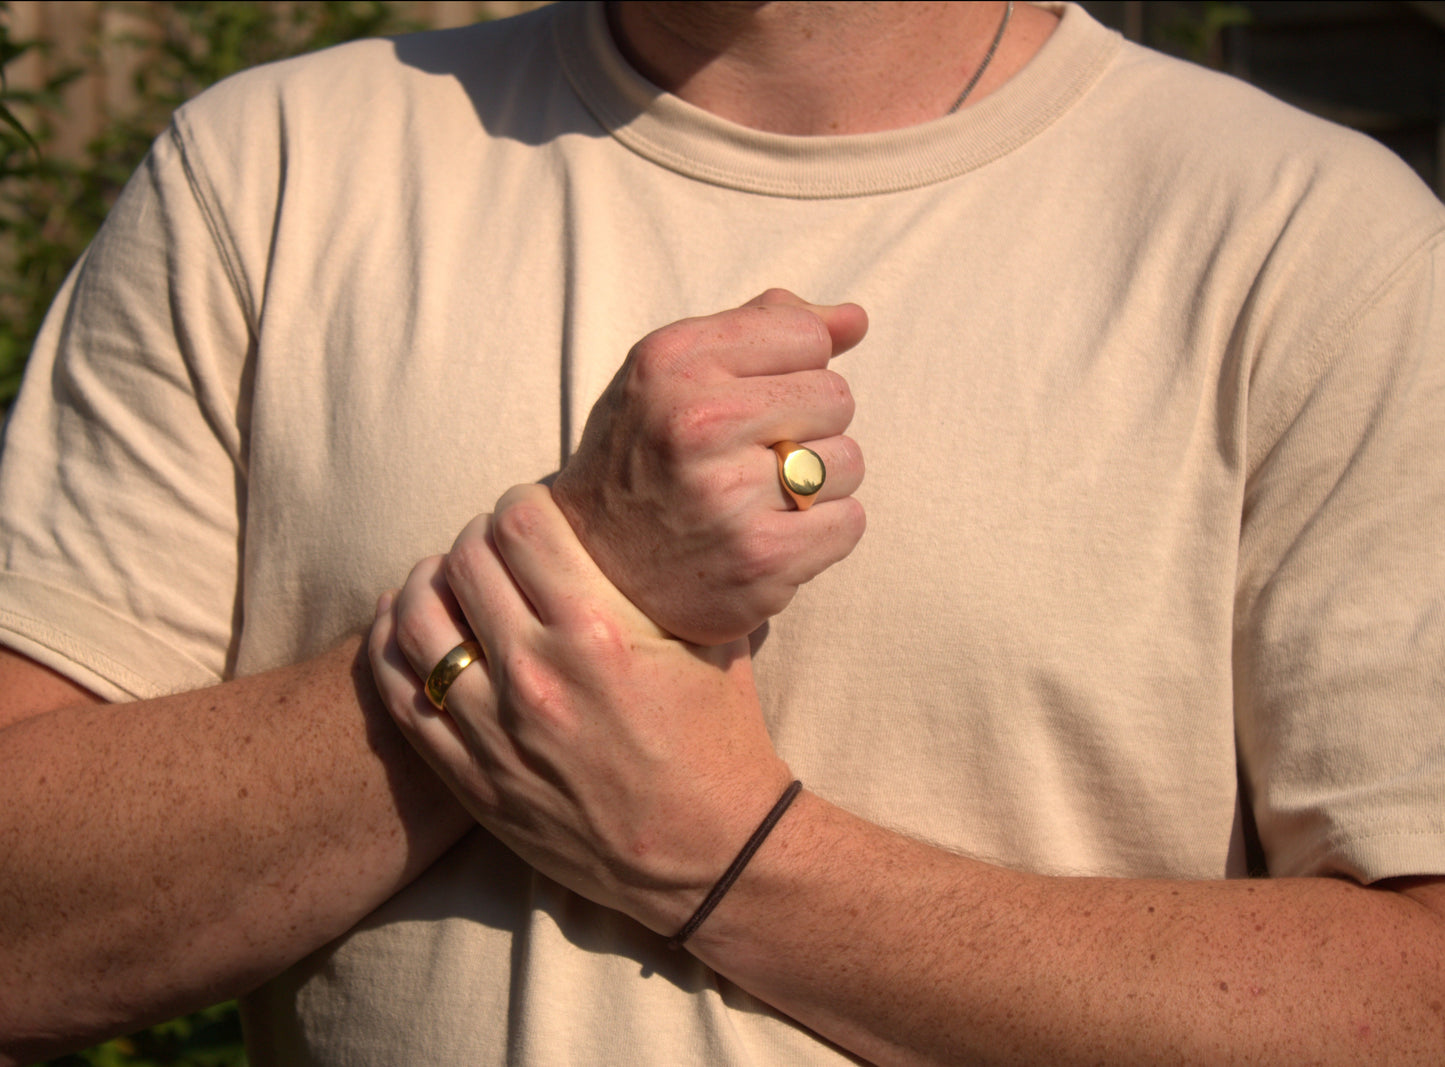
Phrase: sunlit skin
(825, 68)
(958, 961)
(312, 808)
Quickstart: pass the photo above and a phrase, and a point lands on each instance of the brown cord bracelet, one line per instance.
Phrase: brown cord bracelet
(730, 875)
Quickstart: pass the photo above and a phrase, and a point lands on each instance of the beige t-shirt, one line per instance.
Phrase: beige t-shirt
(1153, 406)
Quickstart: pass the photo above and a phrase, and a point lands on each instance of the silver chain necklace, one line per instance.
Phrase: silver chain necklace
(987, 59)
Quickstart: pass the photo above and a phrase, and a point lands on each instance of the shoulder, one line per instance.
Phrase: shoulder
(324, 142)
(1212, 135)
(371, 70)
(384, 96)
(1306, 217)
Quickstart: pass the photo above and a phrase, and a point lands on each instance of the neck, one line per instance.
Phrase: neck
(825, 68)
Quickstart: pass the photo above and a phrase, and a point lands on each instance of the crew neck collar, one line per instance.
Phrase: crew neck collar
(681, 137)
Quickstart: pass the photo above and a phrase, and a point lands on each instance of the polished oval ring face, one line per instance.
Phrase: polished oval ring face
(803, 471)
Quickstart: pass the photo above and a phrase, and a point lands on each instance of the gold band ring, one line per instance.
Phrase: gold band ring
(451, 666)
(801, 472)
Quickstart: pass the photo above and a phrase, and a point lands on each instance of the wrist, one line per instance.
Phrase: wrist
(768, 895)
(738, 865)
(667, 894)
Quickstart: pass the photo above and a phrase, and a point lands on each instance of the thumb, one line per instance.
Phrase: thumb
(846, 323)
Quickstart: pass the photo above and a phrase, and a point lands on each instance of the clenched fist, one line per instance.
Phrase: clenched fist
(674, 488)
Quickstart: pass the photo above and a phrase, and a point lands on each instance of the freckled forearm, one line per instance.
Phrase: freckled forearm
(163, 855)
(907, 954)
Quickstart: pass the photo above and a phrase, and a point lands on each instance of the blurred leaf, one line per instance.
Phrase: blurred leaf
(14, 123)
(210, 1038)
(1196, 35)
(50, 208)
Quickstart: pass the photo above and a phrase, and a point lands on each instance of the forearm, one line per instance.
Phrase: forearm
(908, 954)
(159, 856)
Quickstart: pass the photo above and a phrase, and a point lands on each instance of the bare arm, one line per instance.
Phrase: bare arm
(908, 954)
(175, 852)
(159, 856)
(898, 951)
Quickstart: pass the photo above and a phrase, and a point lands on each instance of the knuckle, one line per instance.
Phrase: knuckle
(540, 701)
(413, 636)
(758, 558)
(465, 563)
(519, 521)
(403, 712)
(697, 427)
(522, 494)
(379, 638)
(849, 456)
(665, 354)
(715, 493)
(861, 519)
(600, 636)
(787, 322)
(854, 523)
(420, 576)
(776, 295)
(840, 392)
(772, 602)
(822, 339)
(536, 693)
(845, 530)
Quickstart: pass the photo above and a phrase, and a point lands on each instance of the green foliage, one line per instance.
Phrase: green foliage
(191, 45)
(51, 207)
(10, 50)
(1196, 35)
(210, 1038)
(23, 166)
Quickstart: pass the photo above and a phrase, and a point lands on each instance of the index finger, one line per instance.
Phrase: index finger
(846, 323)
(774, 334)
(552, 569)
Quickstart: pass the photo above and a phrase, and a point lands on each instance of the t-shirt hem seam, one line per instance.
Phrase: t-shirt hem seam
(72, 649)
(1340, 850)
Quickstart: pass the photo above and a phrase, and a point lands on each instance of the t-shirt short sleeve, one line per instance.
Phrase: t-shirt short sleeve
(1340, 618)
(124, 463)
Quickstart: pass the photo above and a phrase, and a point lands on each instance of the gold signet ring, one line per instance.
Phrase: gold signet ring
(801, 471)
(451, 666)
